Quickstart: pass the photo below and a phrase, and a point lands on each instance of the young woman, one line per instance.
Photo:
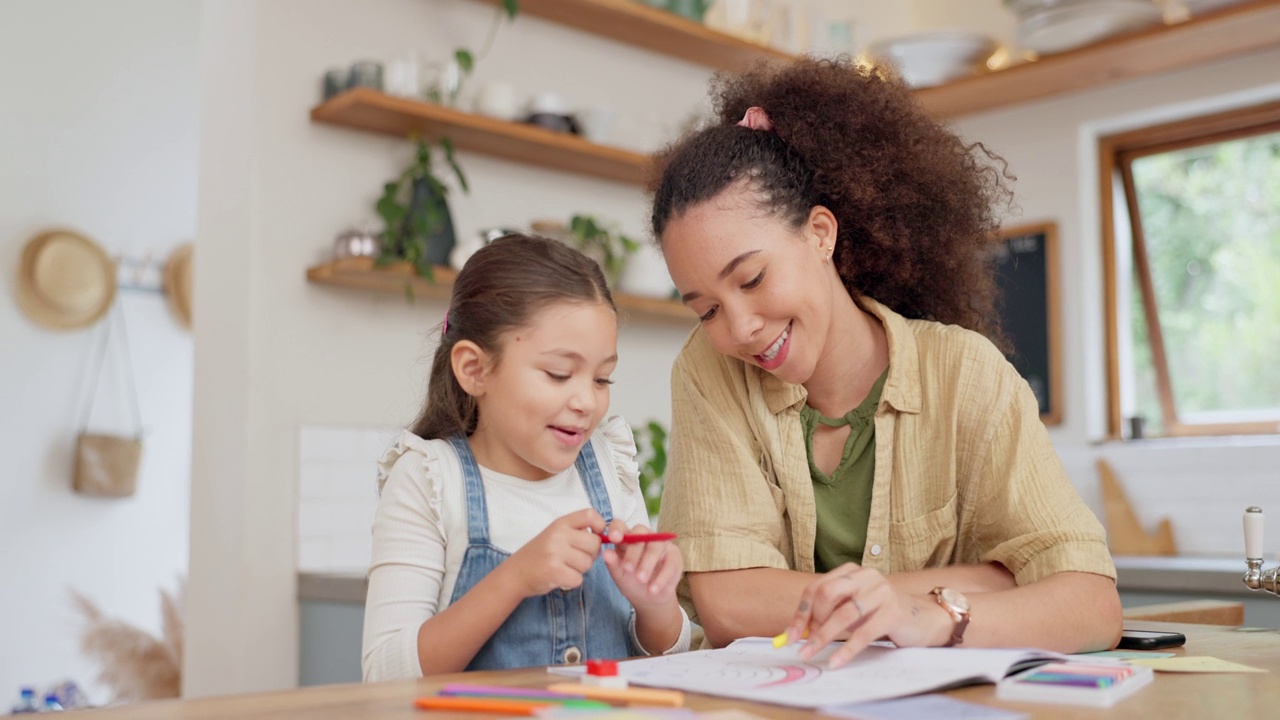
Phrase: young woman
(852, 456)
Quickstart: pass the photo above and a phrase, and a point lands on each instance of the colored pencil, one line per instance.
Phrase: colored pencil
(505, 691)
(488, 705)
(638, 696)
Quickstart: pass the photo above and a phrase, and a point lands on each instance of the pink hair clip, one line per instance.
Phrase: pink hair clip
(445, 329)
(756, 119)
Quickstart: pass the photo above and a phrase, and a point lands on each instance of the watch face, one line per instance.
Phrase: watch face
(955, 599)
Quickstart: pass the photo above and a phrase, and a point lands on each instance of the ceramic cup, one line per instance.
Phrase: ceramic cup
(597, 123)
(498, 100)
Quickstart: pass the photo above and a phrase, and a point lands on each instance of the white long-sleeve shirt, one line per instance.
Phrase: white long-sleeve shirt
(420, 533)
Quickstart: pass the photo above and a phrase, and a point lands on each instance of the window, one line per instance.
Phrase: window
(1191, 232)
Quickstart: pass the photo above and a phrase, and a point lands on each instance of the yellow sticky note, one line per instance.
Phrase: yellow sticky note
(1195, 664)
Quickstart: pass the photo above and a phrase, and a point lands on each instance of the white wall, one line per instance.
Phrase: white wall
(274, 191)
(281, 354)
(98, 132)
(1203, 485)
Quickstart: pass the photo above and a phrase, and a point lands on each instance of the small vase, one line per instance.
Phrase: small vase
(646, 273)
(441, 239)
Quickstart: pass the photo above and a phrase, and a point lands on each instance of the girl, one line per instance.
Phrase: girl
(851, 457)
(486, 542)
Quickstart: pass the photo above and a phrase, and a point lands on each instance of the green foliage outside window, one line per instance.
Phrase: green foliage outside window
(1211, 220)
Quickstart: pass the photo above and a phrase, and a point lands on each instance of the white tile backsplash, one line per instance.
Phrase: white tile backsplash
(1202, 486)
(338, 495)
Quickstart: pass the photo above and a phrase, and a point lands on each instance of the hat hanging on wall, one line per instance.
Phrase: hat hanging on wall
(65, 280)
(177, 284)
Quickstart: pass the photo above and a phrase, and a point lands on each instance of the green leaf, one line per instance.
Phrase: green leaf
(465, 61)
(512, 7)
(447, 144)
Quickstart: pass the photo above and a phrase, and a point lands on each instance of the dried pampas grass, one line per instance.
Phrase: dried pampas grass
(135, 665)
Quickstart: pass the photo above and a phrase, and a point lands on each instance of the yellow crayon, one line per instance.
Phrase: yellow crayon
(782, 639)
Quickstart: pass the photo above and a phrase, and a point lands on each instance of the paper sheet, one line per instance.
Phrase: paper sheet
(922, 707)
(752, 669)
(1196, 664)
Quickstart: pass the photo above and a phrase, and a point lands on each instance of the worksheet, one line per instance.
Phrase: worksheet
(752, 669)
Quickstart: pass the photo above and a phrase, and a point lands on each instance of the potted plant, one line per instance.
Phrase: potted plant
(446, 88)
(415, 211)
(604, 243)
(653, 464)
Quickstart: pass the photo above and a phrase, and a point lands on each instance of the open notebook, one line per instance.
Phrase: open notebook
(752, 669)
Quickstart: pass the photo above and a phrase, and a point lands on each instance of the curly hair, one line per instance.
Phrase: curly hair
(916, 205)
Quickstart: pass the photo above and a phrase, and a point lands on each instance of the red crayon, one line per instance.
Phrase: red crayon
(640, 537)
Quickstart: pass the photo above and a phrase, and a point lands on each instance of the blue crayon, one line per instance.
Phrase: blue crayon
(1072, 679)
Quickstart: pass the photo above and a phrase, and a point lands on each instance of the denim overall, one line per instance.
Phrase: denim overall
(563, 626)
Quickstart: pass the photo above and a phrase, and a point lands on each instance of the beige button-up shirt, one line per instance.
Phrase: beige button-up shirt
(964, 470)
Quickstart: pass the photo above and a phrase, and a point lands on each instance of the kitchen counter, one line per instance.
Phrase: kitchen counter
(336, 587)
(1178, 574)
(1183, 574)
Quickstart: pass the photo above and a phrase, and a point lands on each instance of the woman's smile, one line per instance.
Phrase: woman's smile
(774, 355)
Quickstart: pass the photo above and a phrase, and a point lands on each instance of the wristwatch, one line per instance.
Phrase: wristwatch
(957, 606)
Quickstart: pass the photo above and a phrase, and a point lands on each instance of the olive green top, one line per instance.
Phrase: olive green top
(843, 499)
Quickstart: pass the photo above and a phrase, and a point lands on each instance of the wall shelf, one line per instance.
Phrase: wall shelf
(373, 111)
(393, 279)
(635, 23)
(1227, 32)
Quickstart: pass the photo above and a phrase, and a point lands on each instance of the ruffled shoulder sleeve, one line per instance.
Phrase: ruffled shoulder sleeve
(405, 444)
(621, 442)
(417, 470)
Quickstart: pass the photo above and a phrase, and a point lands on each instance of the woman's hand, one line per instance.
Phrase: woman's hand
(559, 556)
(863, 604)
(646, 573)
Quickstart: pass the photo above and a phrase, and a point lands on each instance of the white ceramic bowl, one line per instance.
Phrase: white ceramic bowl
(1067, 25)
(933, 58)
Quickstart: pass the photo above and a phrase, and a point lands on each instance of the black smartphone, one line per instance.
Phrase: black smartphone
(1150, 640)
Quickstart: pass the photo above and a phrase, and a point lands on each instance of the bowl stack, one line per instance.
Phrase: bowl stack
(1053, 26)
(933, 58)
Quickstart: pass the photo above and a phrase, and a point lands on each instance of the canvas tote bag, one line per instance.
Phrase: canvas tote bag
(107, 465)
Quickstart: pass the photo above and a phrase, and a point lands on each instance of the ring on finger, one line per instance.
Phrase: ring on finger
(858, 605)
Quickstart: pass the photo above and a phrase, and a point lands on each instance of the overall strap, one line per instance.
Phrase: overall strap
(589, 471)
(477, 510)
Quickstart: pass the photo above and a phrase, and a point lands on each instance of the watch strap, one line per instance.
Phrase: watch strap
(960, 617)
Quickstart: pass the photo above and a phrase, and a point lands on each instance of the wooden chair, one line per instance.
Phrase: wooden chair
(1202, 612)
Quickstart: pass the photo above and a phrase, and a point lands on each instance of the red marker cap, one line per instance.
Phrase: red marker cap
(602, 668)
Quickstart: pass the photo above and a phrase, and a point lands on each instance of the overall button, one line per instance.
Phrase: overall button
(875, 550)
(572, 656)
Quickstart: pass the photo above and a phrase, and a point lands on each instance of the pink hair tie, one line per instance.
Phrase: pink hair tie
(445, 329)
(756, 119)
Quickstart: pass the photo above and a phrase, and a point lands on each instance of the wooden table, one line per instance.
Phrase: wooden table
(1243, 695)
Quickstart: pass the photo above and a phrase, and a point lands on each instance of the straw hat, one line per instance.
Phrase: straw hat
(65, 280)
(177, 284)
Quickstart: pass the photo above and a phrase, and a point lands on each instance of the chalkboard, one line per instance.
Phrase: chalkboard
(1026, 267)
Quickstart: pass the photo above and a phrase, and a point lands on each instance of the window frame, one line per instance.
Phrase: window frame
(1116, 154)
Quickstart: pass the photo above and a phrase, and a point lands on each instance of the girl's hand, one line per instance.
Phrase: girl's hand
(861, 603)
(646, 573)
(559, 556)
